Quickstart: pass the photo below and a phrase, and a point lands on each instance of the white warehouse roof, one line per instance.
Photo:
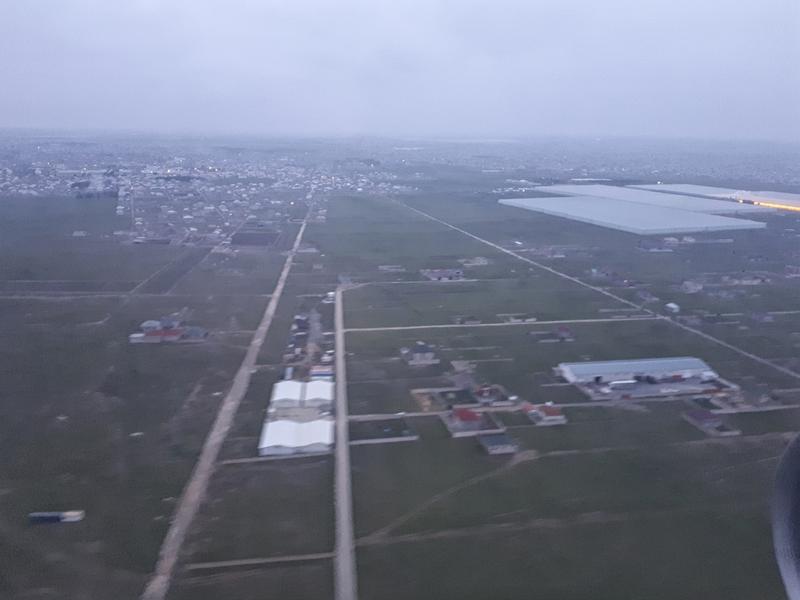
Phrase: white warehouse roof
(642, 219)
(287, 389)
(586, 371)
(297, 393)
(652, 198)
(319, 390)
(689, 188)
(286, 437)
(784, 198)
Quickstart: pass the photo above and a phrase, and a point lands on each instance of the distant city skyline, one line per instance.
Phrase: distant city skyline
(436, 68)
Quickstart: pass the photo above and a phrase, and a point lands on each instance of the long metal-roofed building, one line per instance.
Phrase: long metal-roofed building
(761, 199)
(631, 217)
(620, 370)
(689, 188)
(284, 437)
(654, 198)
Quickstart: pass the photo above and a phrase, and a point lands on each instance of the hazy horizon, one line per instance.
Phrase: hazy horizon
(438, 69)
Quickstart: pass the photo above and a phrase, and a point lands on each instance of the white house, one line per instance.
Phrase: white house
(546, 414)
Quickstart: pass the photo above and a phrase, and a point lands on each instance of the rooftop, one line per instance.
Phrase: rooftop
(641, 365)
(632, 217)
(654, 198)
(291, 434)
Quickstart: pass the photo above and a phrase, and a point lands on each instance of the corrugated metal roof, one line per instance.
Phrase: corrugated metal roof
(785, 198)
(288, 389)
(291, 434)
(640, 365)
(641, 219)
(689, 188)
(654, 198)
(319, 389)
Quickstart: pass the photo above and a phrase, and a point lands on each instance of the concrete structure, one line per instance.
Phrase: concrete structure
(463, 422)
(420, 355)
(626, 370)
(632, 217)
(709, 423)
(283, 437)
(169, 329)
(498, 443)
(321, 372)
(546, 414)
(443, 274)
(345, 580)
(654, 198)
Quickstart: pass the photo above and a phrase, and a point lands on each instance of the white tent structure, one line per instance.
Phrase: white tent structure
(287, 394)
(319, 394)
(283, 437)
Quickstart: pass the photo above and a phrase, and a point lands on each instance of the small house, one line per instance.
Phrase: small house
(546, 414)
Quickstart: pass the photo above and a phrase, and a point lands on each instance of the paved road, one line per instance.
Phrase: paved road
(345, 583)
(195, 489)
(457, 326)
(702, 334)
(251, 562)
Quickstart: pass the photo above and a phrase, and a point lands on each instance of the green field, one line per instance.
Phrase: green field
(272, 508)
(696, 555)
(592, 507)
(89, 421)
(299, 581)
(539, 295)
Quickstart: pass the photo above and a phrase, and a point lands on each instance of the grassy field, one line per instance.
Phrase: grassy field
(300, 581)
(249, 271)
(271, 508)
(652, 478)
(88, 421)
(392, 479)
(540, 295)
(509, 355)
(696, 555)
(639, 481)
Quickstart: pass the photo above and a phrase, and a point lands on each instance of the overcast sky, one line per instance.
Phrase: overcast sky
(699, 68)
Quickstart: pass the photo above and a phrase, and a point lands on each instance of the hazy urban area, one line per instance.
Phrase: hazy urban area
(408, 300)
(382, 357)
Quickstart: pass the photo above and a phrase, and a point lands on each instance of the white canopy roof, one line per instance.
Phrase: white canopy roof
(290, 434)
(322, 390)
(287, 389)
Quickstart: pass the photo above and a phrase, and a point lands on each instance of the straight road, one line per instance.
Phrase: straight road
(698, 332)
(254, 562)
(195, 489)
(344, 575)
(455, 325)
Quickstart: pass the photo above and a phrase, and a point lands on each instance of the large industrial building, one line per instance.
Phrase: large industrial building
(654, 198)
(684, 367)
(762, 199)
(632, 217)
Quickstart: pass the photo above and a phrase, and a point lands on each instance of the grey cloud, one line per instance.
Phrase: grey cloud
(705, 68)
